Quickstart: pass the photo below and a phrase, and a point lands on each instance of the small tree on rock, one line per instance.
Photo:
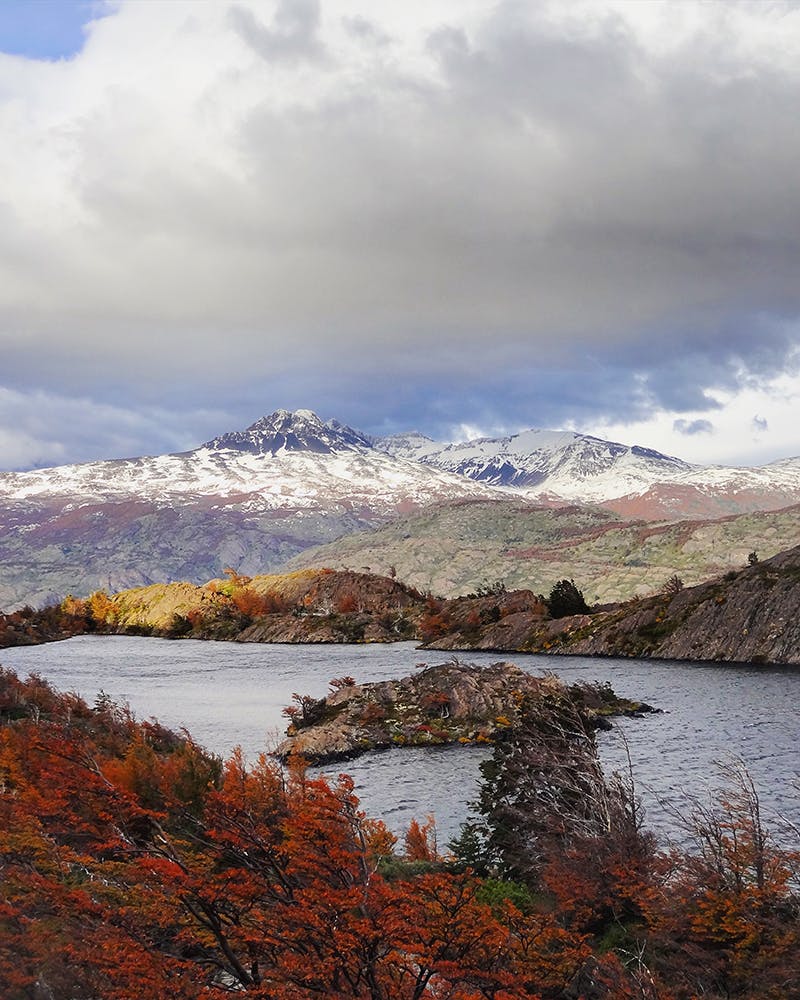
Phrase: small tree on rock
(565, 599)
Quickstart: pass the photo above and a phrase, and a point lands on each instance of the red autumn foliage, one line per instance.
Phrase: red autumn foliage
(253, 604)
(134, 866)
(420, 841)
(340, 683)
(433, 625)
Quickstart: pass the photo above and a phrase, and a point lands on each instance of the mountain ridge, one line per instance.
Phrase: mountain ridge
(541, 465)
(290, 481)
(633, 480)
(252, 499)
(459, 548)
(283, 430)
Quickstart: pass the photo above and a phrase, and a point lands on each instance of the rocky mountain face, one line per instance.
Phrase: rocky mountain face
(251, 499)
(283, 431)
(459, 548)
(749, 616)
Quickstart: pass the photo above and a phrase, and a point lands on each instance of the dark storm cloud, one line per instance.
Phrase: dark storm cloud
(533, 214)
(559, 194)
(39, 429)
(527, 397)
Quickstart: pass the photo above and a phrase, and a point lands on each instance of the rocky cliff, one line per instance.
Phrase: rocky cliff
(749, 616)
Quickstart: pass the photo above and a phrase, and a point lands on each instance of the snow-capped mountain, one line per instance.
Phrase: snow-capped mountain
(283, 460)
(558, 464)
(283, 431)
(566, 467)
(255, 498)
(412, 445)
(250, 499)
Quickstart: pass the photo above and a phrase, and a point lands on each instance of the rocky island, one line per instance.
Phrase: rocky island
(449, 703)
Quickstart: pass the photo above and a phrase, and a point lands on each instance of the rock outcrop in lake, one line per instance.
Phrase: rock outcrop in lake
(442, 704)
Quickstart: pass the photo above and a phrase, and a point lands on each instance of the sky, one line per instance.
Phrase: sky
(466, 218)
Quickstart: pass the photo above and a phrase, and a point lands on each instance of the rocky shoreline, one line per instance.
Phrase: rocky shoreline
(746, 616)
(28, 627)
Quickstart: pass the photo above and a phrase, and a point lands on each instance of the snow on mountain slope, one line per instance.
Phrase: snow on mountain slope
(294, 460)
(566, 467)
(548, 463)
(250, 499)
(412, 445)
(254, 499)
(282, 460)
(714, 491)
(283, 431)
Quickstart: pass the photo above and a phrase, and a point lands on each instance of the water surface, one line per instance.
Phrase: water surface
(229, 694)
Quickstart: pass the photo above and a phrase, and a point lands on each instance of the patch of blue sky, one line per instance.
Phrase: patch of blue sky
(46, 29)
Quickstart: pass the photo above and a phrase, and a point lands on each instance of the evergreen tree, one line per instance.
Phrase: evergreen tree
(565, 599)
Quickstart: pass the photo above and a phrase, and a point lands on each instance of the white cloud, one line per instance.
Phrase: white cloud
(738, 437)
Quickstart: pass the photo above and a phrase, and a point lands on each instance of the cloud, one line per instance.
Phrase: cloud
(292, 35)
(691, 427)
(533, 213)
(41, 429)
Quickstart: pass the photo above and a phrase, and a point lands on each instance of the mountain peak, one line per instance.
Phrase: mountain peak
(284, 430)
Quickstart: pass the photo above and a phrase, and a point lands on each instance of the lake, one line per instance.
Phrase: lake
(229, 694)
